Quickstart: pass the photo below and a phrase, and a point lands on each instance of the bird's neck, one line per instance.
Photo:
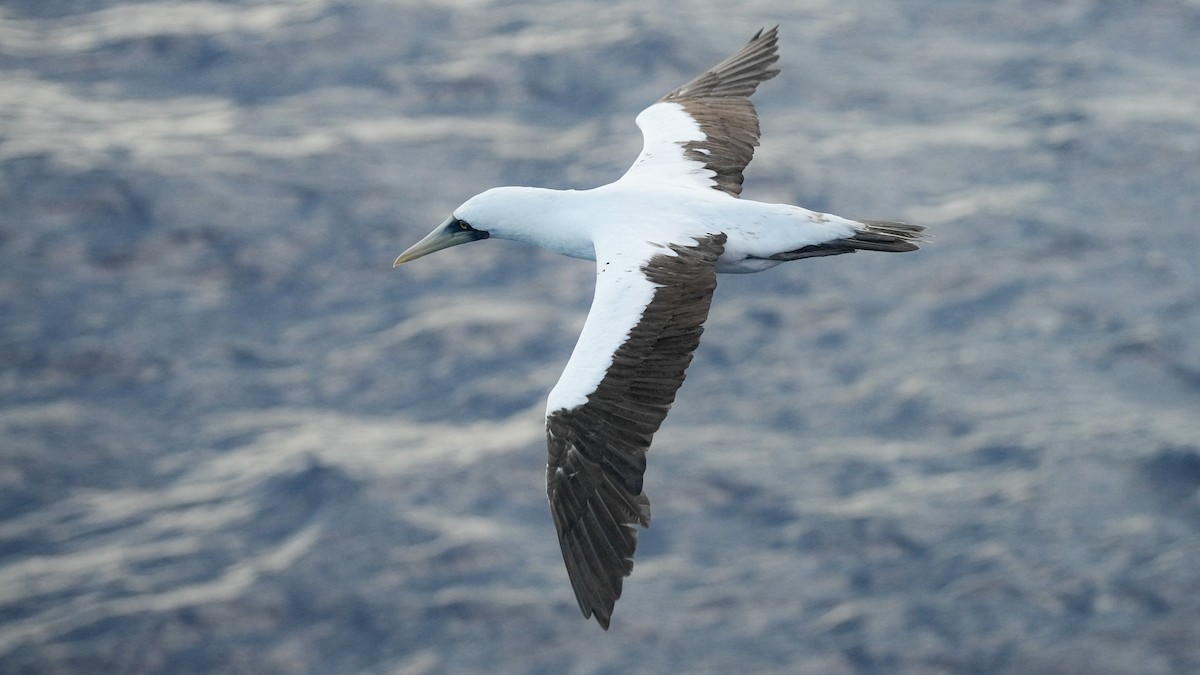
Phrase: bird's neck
(555, 220)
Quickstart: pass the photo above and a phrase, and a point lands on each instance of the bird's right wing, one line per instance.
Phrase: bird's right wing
(703, 134)
(644, 324)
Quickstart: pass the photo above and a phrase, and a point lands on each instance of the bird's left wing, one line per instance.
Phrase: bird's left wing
(703, 134)
(644, 324)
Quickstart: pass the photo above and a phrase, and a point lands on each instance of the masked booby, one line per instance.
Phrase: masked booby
(658, 235)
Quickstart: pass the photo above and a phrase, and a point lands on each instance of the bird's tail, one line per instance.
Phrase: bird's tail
(873, 235)
(887, 235)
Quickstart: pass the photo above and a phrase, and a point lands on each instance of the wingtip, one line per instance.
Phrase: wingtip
(766, 34)
(602, 619)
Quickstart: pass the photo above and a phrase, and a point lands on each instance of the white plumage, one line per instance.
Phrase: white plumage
(659, 235)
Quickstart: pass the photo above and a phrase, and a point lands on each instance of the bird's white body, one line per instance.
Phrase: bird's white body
(574, 222)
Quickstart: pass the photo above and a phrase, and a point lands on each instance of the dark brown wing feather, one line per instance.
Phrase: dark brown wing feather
(598, 449)
(719, 101)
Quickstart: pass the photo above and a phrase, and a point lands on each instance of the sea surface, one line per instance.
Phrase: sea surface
(234, 440)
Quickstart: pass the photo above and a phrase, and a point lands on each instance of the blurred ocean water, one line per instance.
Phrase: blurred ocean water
(233, 439)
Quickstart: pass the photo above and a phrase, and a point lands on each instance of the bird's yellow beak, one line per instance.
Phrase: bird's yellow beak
(450, 233)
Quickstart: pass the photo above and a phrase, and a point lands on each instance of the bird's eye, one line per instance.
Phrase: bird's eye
(462, 225)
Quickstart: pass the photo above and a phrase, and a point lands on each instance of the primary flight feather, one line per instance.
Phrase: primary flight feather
(659, 236)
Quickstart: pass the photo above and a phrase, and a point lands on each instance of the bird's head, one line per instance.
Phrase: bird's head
(495, 212)
(515, 213)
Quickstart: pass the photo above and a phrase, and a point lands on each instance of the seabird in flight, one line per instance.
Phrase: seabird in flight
(659, 235)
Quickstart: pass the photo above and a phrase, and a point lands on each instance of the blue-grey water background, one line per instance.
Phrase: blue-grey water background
(233, 439)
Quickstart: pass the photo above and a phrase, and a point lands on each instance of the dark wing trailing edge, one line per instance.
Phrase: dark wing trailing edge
(719, 101)
(597, 450)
